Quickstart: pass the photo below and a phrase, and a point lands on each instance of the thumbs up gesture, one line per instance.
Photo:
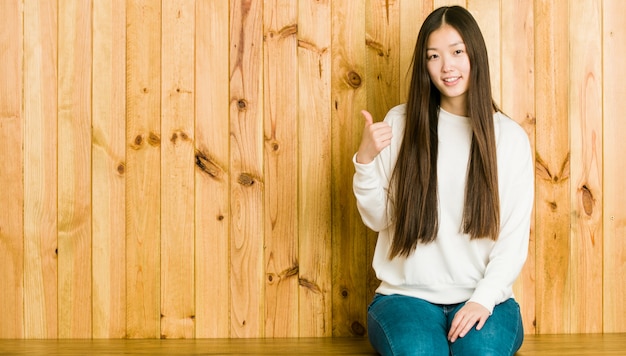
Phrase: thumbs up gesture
(376, 136)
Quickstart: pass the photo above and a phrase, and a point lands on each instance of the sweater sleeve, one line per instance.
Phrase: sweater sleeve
(516, 184)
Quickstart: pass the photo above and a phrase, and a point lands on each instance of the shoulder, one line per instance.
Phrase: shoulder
(509, 132)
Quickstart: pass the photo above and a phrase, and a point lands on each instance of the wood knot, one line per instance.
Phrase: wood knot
(357, 328)
(121, 168)
(587, 198)
(354, 79)
(344, 293)
(207, 165)
(154, 139)
(242, 105)
(245, 179)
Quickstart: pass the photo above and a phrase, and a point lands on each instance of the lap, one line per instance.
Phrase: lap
(401, 325)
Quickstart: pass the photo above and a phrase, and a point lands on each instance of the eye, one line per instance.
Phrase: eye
(458, 51)
(432, 56)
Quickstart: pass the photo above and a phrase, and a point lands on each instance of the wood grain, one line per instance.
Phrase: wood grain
(143, 175)
(614, 218)
(74, 169)
(552, 167)
(585, 114)
(518, 88)
(488, 15)
(11, 175)
(412, 15)
(108, 170)
(247, 275)
(212, 178)
(348, 98)
(314, 205)
(177, 169)
(280, 69)
(40, 174)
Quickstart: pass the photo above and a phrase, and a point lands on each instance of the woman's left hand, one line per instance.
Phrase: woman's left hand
(464, 320)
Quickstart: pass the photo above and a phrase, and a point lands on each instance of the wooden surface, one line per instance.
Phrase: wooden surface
(11, 175)
(614, 166)
(183, 168)
(545, 345)
(40, 175)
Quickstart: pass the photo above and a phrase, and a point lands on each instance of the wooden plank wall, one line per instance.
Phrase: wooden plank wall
(182, 168)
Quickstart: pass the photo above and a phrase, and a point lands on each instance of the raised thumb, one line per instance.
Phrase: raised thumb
(368, 117)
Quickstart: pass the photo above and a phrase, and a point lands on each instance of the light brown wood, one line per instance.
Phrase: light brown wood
(348, 98)
(74, 169)
(177, 170)
(280, 72)
(247, 180)
(552, 167)
(314, 206)
(517, 58)
(143, 176)
(488, 15)
(561, 345)
(585, 115)
(108, 168)
(212, 219)
(40, 174)
(11, 175)
(614, 254)
(194, 230)
(412, 15)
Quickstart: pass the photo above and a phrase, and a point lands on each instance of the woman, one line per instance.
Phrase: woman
(447, 181)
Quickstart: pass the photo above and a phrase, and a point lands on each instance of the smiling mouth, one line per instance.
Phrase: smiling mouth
(451, 79)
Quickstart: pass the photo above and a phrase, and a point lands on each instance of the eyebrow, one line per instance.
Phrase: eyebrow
(451, 45)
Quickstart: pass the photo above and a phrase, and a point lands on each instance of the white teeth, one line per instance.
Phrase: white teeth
(450, 79)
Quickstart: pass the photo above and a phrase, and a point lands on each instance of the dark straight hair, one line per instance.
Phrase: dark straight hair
(414, 180)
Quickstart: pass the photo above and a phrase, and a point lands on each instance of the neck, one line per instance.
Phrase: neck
(456, 106)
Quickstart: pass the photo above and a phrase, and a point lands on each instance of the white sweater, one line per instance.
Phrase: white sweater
(453, 268)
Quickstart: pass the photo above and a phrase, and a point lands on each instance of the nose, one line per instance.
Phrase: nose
(446, 65)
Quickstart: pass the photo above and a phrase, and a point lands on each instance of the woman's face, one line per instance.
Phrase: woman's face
(449, 68)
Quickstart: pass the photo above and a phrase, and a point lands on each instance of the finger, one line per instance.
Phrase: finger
(368, 117)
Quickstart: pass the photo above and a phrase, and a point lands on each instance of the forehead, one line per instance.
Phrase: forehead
(444, 37)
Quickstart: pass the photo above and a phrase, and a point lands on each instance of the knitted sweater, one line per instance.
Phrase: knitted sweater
(453, 268)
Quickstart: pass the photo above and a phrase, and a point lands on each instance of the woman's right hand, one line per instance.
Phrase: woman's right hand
(376, 136)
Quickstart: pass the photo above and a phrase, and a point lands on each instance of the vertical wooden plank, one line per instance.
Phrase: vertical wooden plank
(143, 140)
(74, 169)
(552, 200)
(108, 166)
(412, 15)
(11, 176)
(382, 38)
(585, 36)
(348, 97)
(177, 170)
(212, 170)
(246, 159)
(40, 174)
(314, 205)
(518, 92)
(614, 39)
(281, 167)
(440, 3)
(487, 14)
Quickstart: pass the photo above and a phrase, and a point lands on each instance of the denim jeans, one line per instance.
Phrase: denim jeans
(401, 325)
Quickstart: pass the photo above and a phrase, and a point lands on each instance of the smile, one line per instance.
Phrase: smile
(451, 79)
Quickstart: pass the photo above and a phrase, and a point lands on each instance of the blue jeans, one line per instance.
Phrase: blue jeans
(401, 325)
